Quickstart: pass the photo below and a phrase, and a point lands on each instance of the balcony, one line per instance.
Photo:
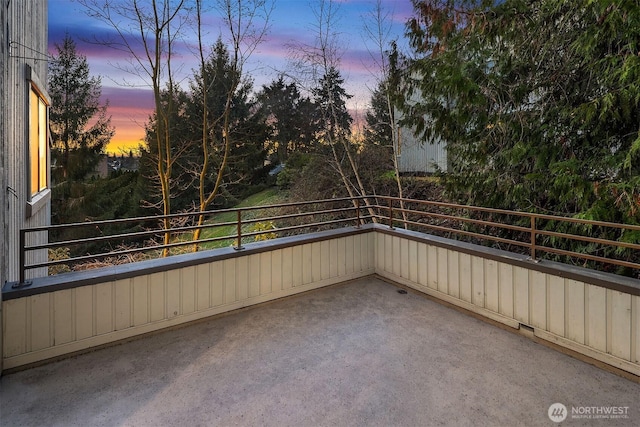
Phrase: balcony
(336, 343)
(357, 353)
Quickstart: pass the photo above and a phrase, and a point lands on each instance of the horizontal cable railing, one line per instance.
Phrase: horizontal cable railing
(538, 235)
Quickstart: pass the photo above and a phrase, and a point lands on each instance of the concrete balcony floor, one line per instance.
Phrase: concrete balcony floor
(358, 353)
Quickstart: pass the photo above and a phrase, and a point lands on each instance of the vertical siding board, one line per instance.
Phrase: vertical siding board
(157, 297)
(122, 289)
(14, 322)
(227, 269)
(188, 290)
(173, 293)
(596, 317)
(367, 249)
(287, 268)
(388, 253)
(538, 299)
(297, 258)
(41, 327)
(505, 283)
(307, 263)
(491, 285)
(432, 267)
(254, 275)
(316, 262)
(217, 284)
(465, 276)
(477, 281)
(350, 254)
(334, 251)
(620, 324)
(412, 258)
(443, 263)
(242, 278)
(556, 304)
(404, 258)
(422, 263)
(453, 273)
(521, 295)
(83, 302)
(574, 300)
(341, 256)
(104, 308)
(380, 251)
(276, 270)
(635, 329)
(140, 300)
(265, 273)
(62, 317)
(203, 286)
(322, 268)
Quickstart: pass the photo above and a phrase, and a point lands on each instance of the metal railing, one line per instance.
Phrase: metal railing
(530, 233)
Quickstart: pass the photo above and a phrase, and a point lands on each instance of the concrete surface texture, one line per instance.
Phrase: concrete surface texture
(356, 354)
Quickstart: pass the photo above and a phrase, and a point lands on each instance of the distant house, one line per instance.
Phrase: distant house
(24, 131)
(416, 156)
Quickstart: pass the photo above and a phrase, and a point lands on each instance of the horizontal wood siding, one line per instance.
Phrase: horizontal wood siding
(601, 323)
(51, 324)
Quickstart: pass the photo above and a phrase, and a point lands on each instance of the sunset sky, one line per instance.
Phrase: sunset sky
(292, 21)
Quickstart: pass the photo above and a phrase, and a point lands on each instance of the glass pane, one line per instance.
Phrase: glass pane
(33, 143)
(42, 146)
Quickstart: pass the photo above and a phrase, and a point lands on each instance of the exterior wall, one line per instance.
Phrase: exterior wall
(4, 56)
(50, 324)
(27, 44)
(593, 320)
(418, 156)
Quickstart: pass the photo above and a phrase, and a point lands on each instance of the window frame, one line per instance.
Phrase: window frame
(38, 198)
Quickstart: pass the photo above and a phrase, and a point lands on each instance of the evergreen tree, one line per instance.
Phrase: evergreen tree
(330, 98)
(378, 129)
(80, 128)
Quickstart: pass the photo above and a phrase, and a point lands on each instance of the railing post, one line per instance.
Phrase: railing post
(533, 238)
(22, 255)
(391, 214)
(239, 235)
(357, 213)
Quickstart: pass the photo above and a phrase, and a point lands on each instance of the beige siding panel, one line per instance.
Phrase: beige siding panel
(422, 263)
(443, 268)
(287, 268)
(367, 242)
(230, 283)
(349, 254)
(316, 262)
(140, 300)
(217, 284)
(505, 283)
(521, 295)
(477, 281)
(62, 317)
(254, 275)
(41, 327)
(104, 308)
(380, 252)
(307, 263)
(465, 277)
(276, 270)
(157, 297)
(84, 311)
(432, 267)
(404, 258)
(188, 290)
(491, 286)
(242, 278)
(574, 300)
(14, 324)
(173, 293)
(620, 324)
(336, 248)
(635, 329)
(555, 302)
(388, 253)
(538, 299)
(297, 257)
(453, 273)
(122, 290)
(596, 317)
(265, 273)
(323, 267)
(203, 286)
(341, 256)
(412, 260)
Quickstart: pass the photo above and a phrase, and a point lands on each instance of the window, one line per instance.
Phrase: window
(38, 142)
